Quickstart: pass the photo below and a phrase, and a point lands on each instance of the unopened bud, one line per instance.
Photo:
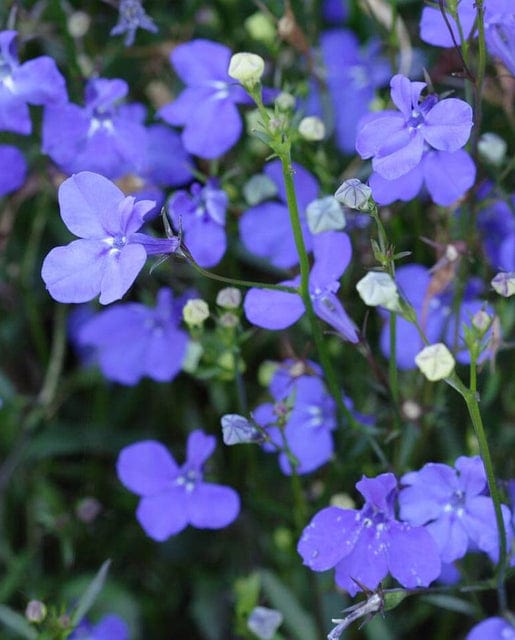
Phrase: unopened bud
(325, 214)
(504, 283)
(246, 67)
(195, 312)
(481, 320)
(35, 611)
(228, 320)
(312, 129)
(259, 188)
(260, 27)
(285, 101)
(411, 410)
(354, 194)
(492, 149)
(238, 430)
(229, 298)
(379, 289)
(78, 24)
(264, 622)
(436, 362)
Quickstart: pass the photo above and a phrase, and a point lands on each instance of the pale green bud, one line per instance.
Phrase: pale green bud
(354, 194)
(312, 128)
(258, 189)
(264, 622)
(229, 298)
(261, 28)
(195, 312)
(379, 289)
(492, 149)
(35, 611)
(78, 24)
(246, 67)
(285, 101)
(436, 362)
(325, 214)
(504, 283)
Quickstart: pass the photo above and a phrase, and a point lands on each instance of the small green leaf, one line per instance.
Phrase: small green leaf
(16, 622)
(451, 603)
(90, 595)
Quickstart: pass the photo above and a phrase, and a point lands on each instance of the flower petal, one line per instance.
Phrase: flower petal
(213, 506)
(163, 515)
(273, 309)
(146, 468)
(412, 555)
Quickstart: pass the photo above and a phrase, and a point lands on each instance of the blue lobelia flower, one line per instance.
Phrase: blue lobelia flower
(13, 169)
(397, 140)
(110, 627)
(200, 215)
(104, 136)
(496, 224)
(446, 176)
(301, 417)
(279, 309)
(435, 316)
(452, 506)
(265, 229)
(110, 251)
(132, 16)
(495, 628)
(131, 340)
(365, 545)
(207, 107)
(173, 496)
(499, 23)
(37, 81)
(352, 76)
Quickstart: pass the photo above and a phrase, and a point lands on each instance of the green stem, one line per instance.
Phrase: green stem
(480, 74)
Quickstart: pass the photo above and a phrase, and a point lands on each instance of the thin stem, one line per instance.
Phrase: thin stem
(480, 74)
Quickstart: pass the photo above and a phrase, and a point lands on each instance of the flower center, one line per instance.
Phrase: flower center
(188, 479)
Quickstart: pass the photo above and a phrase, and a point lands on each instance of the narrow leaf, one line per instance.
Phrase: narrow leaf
(90, 595)
(16, 622)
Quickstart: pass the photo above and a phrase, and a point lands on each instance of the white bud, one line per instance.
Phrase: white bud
(285, 101)
(379, 289)
(259, 188)
(312, 129)
(492, 148)
(237, 429)
(35, 611)
(481, 320)
(435, 361)
(246, 67)
(195, 311)
(78, 24)
(264, 622)
(325, 214)
(229, 298)
(354, 194)
(504, 283)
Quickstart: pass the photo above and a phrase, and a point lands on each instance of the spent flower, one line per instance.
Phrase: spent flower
(131, 17)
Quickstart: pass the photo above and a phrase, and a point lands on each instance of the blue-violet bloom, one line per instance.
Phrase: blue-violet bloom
(131, 340)
(207, 106)
(36, 81)
(495, 628)
(173, 496)
(396, 140)
(273, 309)
(110, 251)
(200, 216)
(132, 16)
(13, 169)
(451, 504)
(365, 545)
(110, 627)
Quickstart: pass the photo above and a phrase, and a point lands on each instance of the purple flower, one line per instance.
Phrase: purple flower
(452, 505)
(207, 106)
(265, 229)
(278, 309)
(173, 496)
(352, 75)
(103, 136)
(13, 169)
(495, 628)
(499, 21)
(132, 340)
(37, 81)
(110, 252)
(110, 627)
(132, 16)
(396, 141)
(200, 214)
(365, 545)
(446, 176)
(435, 316)
(305, 428)
(496, 224)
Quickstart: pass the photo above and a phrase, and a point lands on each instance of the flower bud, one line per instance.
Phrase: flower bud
(481, 320)
(312, 129)
(195, 312)
(492, 149)
(264, 622)
(238, 430)
(354, 194)
(228, 320)
(259, 188)
(504, 283)
(246, 67)
(285, 101)
(379, 289)
(261, 28)
(35, 611)
(325, 214)
(78, 24)
(435, 361)
(229, 298)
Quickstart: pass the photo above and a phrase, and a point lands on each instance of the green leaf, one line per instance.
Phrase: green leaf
(300, 624)
(16, 622)
(451, 603)
(90, 595)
